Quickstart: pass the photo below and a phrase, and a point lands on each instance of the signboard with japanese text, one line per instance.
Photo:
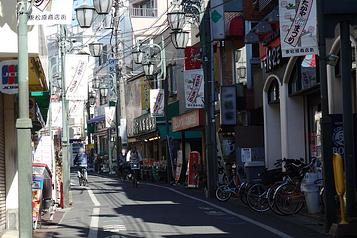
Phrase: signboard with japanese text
(298, 27)
(56, 110)
(157, 102)
(144, 124)
(77, 77)
(193, 57)
(43, 151)
(194, 90)
(9, 82)
(228, 105)
(51, 12)
(109, 116)
(145, 95)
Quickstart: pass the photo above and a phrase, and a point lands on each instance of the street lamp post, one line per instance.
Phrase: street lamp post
(23, 126)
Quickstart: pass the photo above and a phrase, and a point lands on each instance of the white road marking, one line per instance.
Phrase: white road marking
(93, 198)
(94, 223)
(114, 228)
(247, 219)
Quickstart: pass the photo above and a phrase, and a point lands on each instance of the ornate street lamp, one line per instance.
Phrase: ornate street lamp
(176, 20)
(138, 55)
(242, 72)
(149, 69)
(104, 92)
(96, 83)
(180, 39)
(103, 6)
(85, 15)
(95, 49)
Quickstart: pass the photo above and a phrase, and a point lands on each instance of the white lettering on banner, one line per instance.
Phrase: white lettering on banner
(272, 60)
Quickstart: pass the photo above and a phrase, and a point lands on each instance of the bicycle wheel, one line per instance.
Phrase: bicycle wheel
(270, 196)
(257, 198)
(289, 199)
(223, 193)
(242, 192)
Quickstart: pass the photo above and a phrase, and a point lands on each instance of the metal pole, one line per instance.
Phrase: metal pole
(330, 204)
(23, 127)
(211, 157)
(167, 129)
(117, 84)
(110, 150)
(65, 157)
(346, 63)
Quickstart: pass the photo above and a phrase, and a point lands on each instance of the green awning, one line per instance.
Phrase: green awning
(43, 102)
(177, 135)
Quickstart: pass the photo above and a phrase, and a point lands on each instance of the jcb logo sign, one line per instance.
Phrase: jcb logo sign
(9, 77)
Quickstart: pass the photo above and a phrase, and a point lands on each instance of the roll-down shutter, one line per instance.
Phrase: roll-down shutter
(2, 169)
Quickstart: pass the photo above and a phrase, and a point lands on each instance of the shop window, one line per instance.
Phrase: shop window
(274, 93)
(304, 75)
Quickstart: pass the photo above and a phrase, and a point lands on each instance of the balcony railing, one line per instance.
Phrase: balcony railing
(143, 12)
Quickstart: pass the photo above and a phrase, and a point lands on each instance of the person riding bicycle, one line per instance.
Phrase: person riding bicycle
(135, 162)
(81, 161)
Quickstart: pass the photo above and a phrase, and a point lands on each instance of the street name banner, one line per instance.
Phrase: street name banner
(77, 77)
(217, 20)
(157, 102)
(51, 12)
(9, 82)
(109, 116)
(76, 109)
(298, 27)
(194, 90)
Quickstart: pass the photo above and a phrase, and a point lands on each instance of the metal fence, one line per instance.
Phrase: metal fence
(143, 12)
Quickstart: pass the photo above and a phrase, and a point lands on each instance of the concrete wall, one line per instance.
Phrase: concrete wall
(11, 162)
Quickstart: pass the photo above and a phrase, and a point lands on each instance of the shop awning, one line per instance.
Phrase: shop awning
(177, 135)
(37, 78)
(96, 119)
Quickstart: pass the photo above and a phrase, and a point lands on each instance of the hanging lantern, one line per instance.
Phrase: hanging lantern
(180, 39)
(85, 15)
(148, 69)
(137, 55)
(92, 98)
(176, 20)
(103, 6)
(95, 49)
(104, 92)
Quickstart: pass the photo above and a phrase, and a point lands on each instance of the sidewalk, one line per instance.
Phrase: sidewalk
(47, 226)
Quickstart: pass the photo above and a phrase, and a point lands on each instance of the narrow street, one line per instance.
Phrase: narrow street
(109, 208)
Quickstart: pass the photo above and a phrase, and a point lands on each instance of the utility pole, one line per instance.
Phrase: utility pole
(211, 150)
(117, 82)
(65, 157)
(330, 208)
(23, 127)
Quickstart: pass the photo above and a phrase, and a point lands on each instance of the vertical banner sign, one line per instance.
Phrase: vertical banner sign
(9, 82)
(221, 165)
(298, 27)
(76, 77)
(51, 12)
(217, 20)
(145, 95)
(193, 57)
(194, 91)
(43, 151)
(76, 109)
(228, 106)
(109, 116)
(170, 144)
(178, 165)
(56, 110)
(157, 102)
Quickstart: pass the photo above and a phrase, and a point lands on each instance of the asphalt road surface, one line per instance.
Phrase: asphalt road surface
(110, 208)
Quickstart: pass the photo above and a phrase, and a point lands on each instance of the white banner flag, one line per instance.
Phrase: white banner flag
(56, 110)
(76, 109)
(194, 90)
(51, 12)
(298, 27)
(157, 102)
(43, 152)
(77, 77)
(109, 116)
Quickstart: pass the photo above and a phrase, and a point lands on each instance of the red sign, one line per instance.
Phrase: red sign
(188, 120)
(193, 57)
(193, 169)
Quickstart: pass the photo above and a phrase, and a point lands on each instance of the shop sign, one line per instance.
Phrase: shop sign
(51, 12)
(157, 102)
(193, 57)
(298, 27)
(272, 58)
(217, 20)
(228, 106)
(144, 124)
(9, 83)
(194, 91)
(145, 95)
(188, 120)
(76, 77)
